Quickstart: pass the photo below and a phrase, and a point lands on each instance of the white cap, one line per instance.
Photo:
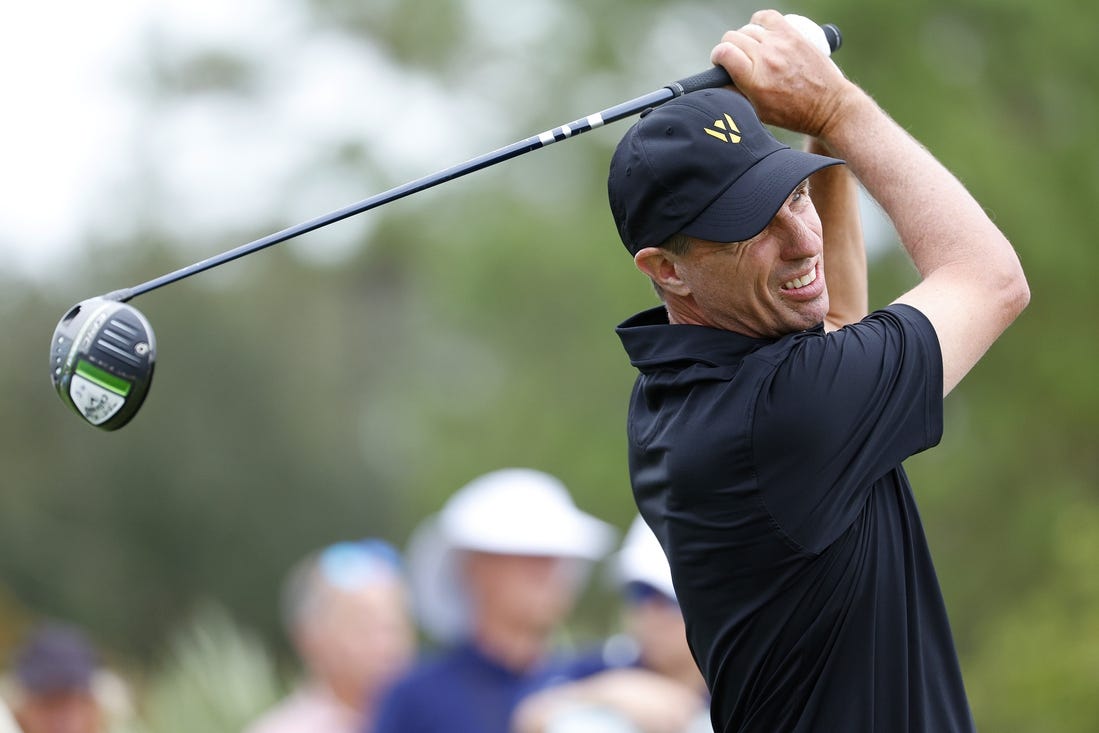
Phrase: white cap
(512, 511)
(642, 560)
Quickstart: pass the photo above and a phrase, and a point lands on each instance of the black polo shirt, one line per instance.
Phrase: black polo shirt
(771, 472)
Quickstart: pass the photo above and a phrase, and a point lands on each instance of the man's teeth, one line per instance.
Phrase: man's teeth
(801, 282)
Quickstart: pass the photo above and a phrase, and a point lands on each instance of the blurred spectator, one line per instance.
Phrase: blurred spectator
(651, 683)
(346, 613)
(54, 683)
(494, 574)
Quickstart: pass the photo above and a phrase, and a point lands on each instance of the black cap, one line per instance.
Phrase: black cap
(705, 166)
(56, 658)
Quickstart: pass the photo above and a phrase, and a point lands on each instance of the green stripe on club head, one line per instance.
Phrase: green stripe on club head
(103, 378)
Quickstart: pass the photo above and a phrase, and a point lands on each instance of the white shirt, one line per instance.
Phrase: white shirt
(308, 710)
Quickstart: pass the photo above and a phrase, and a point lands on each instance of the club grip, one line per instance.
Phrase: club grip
(715, 76)
(832, 33)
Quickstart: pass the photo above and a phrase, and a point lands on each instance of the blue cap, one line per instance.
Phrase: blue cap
(351, 565)
(702, 165)
(56, 658)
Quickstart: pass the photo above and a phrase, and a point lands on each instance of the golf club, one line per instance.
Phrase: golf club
(103, 350)
(101, 361)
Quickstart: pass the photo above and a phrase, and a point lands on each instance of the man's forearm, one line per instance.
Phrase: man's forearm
(834, 192)
(972, 284)
(939, 223)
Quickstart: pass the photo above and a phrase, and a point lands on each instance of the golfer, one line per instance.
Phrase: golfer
(771, 413)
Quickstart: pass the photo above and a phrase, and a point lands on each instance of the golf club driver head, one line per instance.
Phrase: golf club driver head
(101, 361)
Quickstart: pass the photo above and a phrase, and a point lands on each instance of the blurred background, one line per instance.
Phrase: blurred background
(346, 383)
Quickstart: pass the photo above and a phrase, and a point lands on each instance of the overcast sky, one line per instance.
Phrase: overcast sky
(76, 127)
(60, 121)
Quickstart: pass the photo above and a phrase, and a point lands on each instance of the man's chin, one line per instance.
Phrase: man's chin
(810, 315)
(799, 319)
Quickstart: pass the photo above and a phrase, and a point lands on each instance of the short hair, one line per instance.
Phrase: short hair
(677, 244)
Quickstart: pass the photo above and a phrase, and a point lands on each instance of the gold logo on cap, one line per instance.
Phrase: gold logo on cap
(729, 131)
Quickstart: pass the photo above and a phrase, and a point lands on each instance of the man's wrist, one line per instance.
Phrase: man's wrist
(848, 105)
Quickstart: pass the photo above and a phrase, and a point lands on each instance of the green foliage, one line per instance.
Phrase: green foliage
(216, 677)
(1040, 657)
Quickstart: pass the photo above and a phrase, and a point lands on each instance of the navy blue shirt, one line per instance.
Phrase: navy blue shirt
(770, 470)
(463, 691)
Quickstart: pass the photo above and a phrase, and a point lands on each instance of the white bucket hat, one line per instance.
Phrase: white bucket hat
(642, 560)
(512, 511)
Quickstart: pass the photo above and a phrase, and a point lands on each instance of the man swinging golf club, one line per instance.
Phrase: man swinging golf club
(771, 413)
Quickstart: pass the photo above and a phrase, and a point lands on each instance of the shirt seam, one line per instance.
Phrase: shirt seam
(786, 537)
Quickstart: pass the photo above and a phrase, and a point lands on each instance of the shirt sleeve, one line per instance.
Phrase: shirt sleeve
(841, 411)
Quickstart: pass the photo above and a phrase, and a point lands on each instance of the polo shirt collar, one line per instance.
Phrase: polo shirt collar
(652, 343)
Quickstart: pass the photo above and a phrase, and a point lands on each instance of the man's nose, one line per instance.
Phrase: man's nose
(798, 240)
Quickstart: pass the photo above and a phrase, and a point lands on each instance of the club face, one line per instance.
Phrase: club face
(101, 361)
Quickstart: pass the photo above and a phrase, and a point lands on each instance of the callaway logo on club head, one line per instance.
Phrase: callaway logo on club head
(729, 131)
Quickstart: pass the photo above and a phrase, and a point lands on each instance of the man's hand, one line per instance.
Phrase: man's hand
(789, 81)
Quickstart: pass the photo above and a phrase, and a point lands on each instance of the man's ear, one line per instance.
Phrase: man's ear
(660, 266)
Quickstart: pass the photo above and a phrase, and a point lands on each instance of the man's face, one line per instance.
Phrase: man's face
(764, 287)
(60, 712)
(656, 622)
(531, 592)
(359, 639)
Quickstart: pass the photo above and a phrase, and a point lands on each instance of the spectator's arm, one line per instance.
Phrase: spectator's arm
(652, 702)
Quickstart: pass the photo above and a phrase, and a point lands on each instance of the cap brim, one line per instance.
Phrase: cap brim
(438, 597)
(747, 206)
(568, 533)
(517, 512)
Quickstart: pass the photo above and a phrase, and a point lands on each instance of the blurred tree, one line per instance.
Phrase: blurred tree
(297, 402)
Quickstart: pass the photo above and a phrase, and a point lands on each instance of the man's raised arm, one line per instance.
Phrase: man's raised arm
(972, 285)
(835, 195)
